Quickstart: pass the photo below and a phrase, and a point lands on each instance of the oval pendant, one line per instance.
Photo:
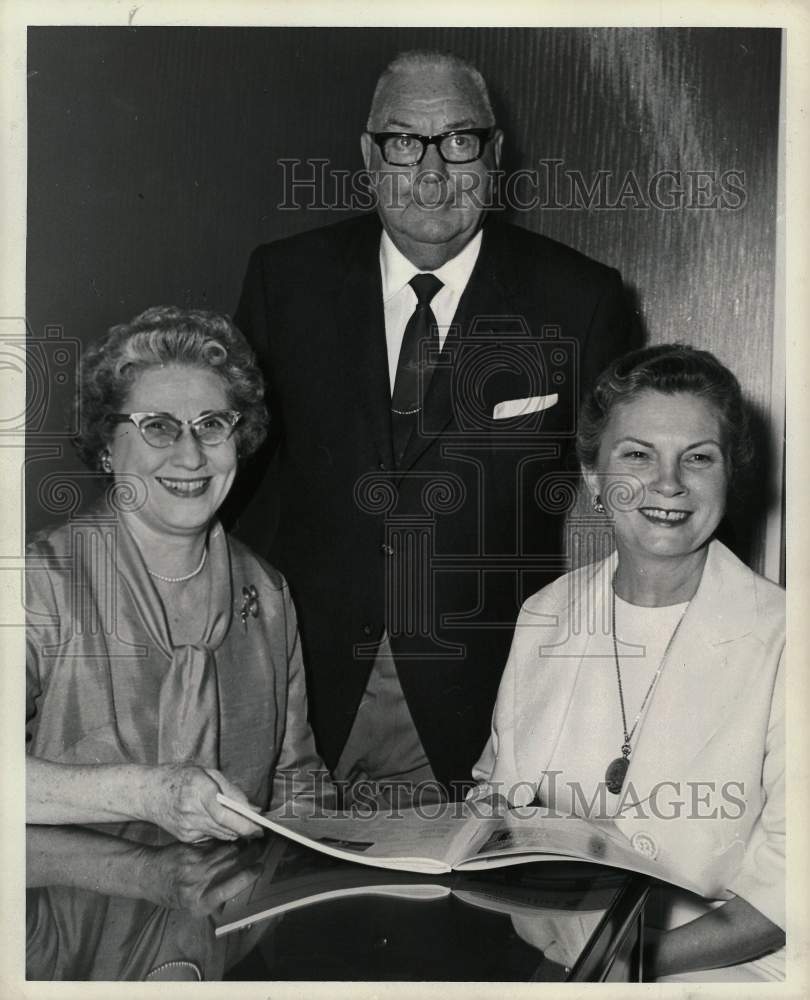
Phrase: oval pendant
(615, 774)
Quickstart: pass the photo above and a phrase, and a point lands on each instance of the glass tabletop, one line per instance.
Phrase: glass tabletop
(126, 903)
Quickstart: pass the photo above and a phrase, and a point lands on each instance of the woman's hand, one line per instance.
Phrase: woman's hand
(182, 799)
(200, 879)
(178, 876)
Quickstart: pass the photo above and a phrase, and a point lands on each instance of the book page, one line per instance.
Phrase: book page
(426, 840)
(531, 834)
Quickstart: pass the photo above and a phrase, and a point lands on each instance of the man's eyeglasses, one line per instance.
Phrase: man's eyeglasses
(161, 430)
(403, 149)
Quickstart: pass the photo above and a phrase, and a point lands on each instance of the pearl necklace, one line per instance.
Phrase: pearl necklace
(180, 579)
(178, 963)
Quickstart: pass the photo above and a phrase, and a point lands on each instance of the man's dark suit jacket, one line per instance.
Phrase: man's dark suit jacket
(441, 550)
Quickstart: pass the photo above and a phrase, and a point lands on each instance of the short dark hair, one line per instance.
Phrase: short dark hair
(165, 335)
(668, 368)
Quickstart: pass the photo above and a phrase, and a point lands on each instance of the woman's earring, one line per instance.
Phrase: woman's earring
(106, 463)
(598, 506)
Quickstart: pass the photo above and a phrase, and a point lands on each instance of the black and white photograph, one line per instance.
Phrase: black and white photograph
(398, 530)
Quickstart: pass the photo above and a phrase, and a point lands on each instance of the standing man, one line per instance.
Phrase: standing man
(424, 369)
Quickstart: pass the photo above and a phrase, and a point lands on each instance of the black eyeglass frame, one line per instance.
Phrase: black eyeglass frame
(483, 134)
(137, 418)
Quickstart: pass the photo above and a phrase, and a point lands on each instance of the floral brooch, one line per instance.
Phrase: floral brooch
(250, 604)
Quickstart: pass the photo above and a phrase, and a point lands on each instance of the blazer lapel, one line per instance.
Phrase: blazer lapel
(488, 294)
(361, 325)
(554, 668)
(698, 674)
(682, 716)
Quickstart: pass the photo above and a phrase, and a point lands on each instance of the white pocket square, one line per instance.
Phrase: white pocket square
(522, 407)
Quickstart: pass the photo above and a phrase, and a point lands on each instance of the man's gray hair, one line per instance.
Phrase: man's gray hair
(421, 59)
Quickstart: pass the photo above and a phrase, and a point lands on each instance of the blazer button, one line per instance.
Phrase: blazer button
(387, 550)
(367, 630)
(381, 466)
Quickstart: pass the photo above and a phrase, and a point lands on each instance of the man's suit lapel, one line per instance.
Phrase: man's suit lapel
(361, 326)
(488, 293)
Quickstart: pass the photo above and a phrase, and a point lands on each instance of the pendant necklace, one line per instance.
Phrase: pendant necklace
(616, 770)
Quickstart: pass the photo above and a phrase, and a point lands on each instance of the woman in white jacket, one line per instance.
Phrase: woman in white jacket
(648, 687)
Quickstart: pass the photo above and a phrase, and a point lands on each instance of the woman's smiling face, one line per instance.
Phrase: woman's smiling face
(186, 483)
(662, 472)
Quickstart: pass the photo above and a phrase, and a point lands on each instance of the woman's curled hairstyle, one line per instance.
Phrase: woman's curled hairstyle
(165, 335)
(668, 368)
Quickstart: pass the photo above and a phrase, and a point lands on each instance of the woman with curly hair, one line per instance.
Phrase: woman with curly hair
(164, 664)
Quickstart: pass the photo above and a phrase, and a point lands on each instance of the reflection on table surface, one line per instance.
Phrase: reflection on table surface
(125, 902)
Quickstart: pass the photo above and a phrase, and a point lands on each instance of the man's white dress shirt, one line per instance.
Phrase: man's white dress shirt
(399, 299)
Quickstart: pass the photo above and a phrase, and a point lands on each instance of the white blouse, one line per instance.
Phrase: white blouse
(574, 782)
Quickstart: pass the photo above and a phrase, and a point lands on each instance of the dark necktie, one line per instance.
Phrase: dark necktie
(413, 370)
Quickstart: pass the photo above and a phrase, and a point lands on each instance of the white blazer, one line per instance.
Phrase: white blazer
(716, 715)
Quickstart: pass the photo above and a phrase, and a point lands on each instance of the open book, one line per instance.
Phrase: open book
(456, 837)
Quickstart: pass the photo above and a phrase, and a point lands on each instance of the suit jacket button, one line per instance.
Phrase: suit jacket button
(381, 466)
(387, 550)
(367, 630)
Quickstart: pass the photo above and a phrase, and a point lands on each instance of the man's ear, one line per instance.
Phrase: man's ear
(497, 146)
(366, 147)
